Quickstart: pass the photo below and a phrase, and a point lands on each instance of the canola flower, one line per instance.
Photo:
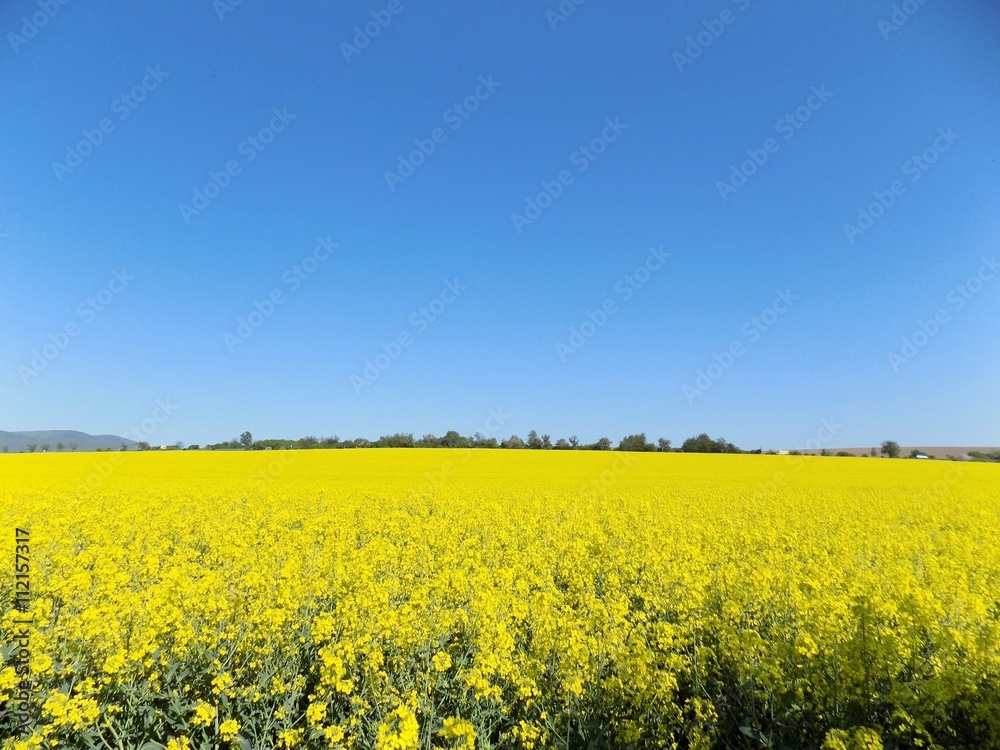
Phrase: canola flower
(484, 599)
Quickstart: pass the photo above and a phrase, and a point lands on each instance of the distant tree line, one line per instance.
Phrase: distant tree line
(453, 439)
(638, 443)
(991, 457)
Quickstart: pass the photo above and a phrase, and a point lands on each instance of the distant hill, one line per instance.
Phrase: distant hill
(961, 452)
(17, 442)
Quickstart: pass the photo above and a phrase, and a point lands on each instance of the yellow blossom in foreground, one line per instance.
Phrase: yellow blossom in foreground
(400, 731)
(229, 729)
(461, 729)
(441, 661)
(204, 714)
(222, 683)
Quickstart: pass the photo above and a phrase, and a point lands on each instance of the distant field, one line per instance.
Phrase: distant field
(476, 599)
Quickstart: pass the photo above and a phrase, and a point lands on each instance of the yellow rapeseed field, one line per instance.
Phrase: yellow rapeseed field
(399, 599)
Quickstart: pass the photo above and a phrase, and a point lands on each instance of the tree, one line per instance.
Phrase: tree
(31, 447)
(179, 445)
(873, 454)
(194, 447)
(890, 448)
(143, 445)
(477, 439)
(723, 446)
(74, 446)
(561, 444)
(125, 447)
(604, 444)
(399, 440)
(263, 445)
(635, 443)
(59, 446)
(512, 442)
(664, 445)
(546, 441)
(246, 439)
(700, 444)
(534, 442)
(452, 439)
(6, 448)
(574, 441)
(987, 456)
(704, 444)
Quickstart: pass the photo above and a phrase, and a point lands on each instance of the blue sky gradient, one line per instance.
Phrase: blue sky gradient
(884, 335)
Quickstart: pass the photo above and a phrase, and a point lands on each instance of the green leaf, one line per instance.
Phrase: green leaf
(755, 734)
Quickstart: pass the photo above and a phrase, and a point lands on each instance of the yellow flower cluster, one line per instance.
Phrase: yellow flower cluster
(481, 599)
(460, 729)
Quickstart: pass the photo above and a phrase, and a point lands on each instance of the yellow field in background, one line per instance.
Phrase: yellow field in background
(499, 598)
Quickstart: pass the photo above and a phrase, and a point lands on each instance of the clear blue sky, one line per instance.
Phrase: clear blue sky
(869, 96)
